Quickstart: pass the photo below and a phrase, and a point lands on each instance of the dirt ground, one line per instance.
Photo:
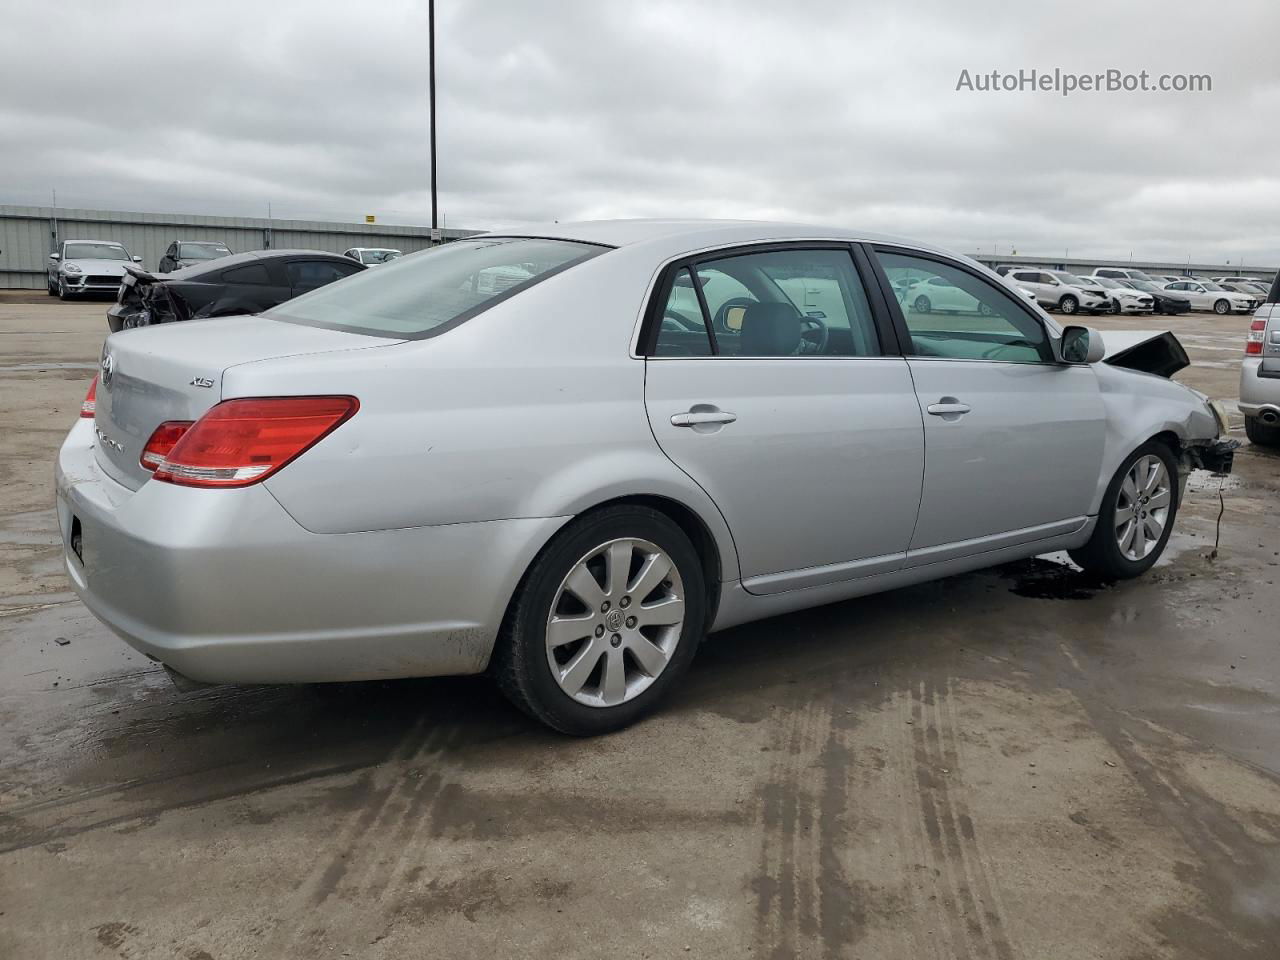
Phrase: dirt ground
(1017, 763)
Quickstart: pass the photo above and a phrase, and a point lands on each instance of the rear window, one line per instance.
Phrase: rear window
(428, 292)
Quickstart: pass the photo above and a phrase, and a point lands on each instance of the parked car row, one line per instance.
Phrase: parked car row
(98, 266)
(1128, 290)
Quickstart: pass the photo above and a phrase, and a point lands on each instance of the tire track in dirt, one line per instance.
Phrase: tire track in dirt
(805, 905)
(957, 869)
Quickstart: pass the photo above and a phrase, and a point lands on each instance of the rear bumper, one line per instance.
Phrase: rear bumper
(1258, 394)
(224, 586)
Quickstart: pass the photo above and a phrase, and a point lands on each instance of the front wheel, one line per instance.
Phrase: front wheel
(1221, 308)
(605, 622)
(923, 305)
(63, 292)
(1069, 304)
(1115, 306)
(1136, 516)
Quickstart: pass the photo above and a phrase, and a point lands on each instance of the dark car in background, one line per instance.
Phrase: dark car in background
(1165, 301)
(238, 284)
(190, 253)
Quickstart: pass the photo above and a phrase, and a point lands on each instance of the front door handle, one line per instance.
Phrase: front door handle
(696, 418)
(948, 407)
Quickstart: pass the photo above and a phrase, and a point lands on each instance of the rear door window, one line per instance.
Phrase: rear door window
(254, 274)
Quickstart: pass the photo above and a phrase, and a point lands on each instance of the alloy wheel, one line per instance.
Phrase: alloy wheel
(1142, 507)
(615, 622)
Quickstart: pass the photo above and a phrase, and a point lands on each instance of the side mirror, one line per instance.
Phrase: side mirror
(55, 256)
(1082, 345)
(137, 259)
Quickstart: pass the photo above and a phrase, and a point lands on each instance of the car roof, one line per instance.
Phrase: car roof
(249, 256)
(223, 242)
(105, 243)
(677, 236)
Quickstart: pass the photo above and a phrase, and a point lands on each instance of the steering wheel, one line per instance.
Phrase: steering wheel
(684, 324)
(813, 336)
(991, 354)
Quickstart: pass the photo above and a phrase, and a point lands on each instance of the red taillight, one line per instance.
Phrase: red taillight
(162, 442)
(240, 442)
(89, 405)
(1257, 333)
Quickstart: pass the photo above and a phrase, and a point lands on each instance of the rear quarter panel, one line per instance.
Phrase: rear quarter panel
(531, 409)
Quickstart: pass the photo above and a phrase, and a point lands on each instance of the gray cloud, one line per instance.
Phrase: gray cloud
(818, 111)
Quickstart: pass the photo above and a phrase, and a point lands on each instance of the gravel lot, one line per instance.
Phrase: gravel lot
(1013, 763)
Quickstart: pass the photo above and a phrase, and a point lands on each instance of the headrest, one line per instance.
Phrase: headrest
(770, 330)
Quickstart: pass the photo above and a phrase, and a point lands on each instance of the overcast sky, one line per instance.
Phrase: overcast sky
(828, 112)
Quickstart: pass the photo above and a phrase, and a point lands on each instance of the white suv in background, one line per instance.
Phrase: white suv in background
(1058, 290)
(1207, 295)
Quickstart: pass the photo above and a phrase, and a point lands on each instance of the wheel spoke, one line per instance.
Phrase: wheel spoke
(562, 630)
(1155, 473)
(648, 654)
(1153, 527)
(1159, 499)
(1130, 488)
(1139, 540)
(1126, 538)
(575, 673)
(613, 682)
(619, 565)
(661, 612)
(582, 584)
(654, 570)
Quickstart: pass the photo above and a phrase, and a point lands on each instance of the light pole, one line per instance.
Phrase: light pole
(431, 50)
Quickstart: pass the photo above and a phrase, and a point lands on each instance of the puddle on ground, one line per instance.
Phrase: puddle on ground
(1044, 579)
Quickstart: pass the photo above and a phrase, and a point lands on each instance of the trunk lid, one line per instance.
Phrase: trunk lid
(174, 372)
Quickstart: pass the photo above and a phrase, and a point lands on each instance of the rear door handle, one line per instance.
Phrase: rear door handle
(948, 407)
(696, 418)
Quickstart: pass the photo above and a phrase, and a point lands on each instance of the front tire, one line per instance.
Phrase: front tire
(1069, 305)
(63, 293)
(604, 624)
(1136, 517)
(1263, 434)
(922, 304)
(1221, 308)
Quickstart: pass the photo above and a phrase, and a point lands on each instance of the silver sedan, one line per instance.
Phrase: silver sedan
(565, 456)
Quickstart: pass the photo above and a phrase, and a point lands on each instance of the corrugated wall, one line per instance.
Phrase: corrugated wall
(29, 234)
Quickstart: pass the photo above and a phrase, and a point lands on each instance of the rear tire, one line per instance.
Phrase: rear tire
(538, 677)
(1124, 509)
(1069, 305)
(922, 304)
(1263, 434)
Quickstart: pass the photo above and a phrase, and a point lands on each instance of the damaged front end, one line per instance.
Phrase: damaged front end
(145, 300)
(1204, 445)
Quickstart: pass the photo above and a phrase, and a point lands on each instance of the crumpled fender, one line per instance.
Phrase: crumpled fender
(1139, 406)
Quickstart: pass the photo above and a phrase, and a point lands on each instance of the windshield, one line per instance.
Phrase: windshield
(94, 251)
(203, 251)
(1105, 282)
(1071, 280)
(1144, 285)
(379, 256)
(1210, 285)
(1138, 275)
(434, 289)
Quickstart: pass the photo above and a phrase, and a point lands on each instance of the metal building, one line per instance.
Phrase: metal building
(29, 234)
